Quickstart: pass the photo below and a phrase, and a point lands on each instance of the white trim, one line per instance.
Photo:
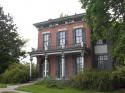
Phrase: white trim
(45, 65)
(63, 67)
(72, 51)
(66, 52)
(80, 26)
(46, 32)
(62, 29)
(34, 55)
(54, 53)
(77, 51)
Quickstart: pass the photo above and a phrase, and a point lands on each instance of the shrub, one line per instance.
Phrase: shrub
(48, 82)
(16, 73)
(118, 77)
(60, 84)
(102, 81)
(44, 81)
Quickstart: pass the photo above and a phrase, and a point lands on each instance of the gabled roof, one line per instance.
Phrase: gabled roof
(57, 20)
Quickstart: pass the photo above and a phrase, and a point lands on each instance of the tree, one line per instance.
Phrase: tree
(10, 42)
(106, 19)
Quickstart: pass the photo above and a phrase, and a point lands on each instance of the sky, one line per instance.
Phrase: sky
(27, 12)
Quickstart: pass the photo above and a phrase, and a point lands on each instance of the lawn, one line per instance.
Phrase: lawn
(44, 89)
(9, 92)
(3, 85)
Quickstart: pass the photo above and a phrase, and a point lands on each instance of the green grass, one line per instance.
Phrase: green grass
(44, 89)
(9, 92)
(3, 85)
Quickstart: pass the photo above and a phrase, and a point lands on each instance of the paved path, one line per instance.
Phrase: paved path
(14, 87)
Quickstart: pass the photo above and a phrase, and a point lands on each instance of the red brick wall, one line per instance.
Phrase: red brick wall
(88, 60)
(69, 28)
(39, 39)
(70, 58)
(53, 66)
(70, 65)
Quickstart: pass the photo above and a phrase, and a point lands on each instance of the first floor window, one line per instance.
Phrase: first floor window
(102, 61)
(59, 67)
(78, 64)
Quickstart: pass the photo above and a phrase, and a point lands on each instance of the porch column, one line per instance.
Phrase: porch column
(63, 67)
(82, 59)
(82, 54)
(45, 65)
(63, 62)
(31, 59)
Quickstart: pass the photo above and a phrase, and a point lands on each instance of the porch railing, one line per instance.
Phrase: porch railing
(59, 48)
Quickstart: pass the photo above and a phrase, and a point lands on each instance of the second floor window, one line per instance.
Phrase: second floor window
(61, 39)
(100, 42)
(46, 40)
(79, 36)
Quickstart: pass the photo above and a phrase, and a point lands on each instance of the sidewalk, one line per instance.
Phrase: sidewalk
(14, 87)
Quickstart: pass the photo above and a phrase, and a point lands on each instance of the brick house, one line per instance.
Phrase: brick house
(64, 47)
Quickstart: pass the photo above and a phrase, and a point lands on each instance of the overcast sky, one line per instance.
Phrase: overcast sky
(27, 12)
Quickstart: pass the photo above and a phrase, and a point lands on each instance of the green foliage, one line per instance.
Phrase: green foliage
(44, 89)
(10, 42)
(118, 77)
(9, 92)
(43, 81)
(3, 85)
(101, 81)
(106, 19)
(56, 84)
(16, 73)
(48, 82)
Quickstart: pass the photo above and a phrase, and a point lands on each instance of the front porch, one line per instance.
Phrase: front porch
(62, 63)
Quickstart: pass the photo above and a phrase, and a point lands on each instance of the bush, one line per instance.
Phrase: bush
(118, 77)
(48, 82)
(44, 81)
(16, 73)
(102, 81)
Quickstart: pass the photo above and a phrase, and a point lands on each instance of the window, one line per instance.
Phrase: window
(101, 61)
(100, 42)
(59, 68)
(78, 64)
(46, 40)
(102, 57)
(62, 38)
(78, 36)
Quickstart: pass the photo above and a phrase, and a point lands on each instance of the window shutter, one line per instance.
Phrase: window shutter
(49, 45)
(66, 38)
(43, 41)
(83, 35)
(74, 39)
(57, 39)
